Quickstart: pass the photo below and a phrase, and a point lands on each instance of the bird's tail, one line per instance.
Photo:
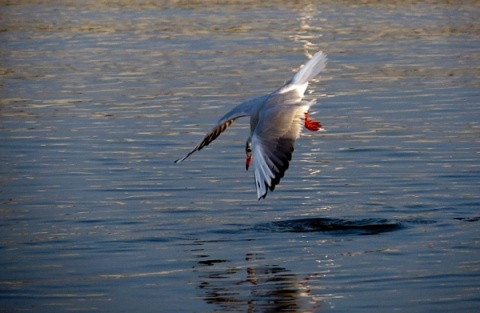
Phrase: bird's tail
(313, 67)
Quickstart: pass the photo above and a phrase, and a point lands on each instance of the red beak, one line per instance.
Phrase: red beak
(247, 163)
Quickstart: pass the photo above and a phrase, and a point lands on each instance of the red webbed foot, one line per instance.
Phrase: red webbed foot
(311, 125)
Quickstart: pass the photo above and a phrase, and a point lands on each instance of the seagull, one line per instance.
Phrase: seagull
(276, 121)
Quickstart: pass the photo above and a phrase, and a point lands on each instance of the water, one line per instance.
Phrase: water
(377, 213)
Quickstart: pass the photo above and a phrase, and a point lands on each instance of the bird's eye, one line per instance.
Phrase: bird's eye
(248, 149)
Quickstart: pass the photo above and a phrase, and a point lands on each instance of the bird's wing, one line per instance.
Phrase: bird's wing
(310, 70)
(243, 109)
(273, 142)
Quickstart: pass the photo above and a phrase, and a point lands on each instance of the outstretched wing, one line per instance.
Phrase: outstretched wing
(243, 109)
(211, 136)
(273, 143)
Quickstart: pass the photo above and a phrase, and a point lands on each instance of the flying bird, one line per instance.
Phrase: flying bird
(276, 121)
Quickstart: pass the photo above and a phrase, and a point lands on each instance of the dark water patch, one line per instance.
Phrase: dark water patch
(211, 262)
(234, 230)
(417, 221)
(468, 219)
(153, 239)
(91, 221)
(360, 227)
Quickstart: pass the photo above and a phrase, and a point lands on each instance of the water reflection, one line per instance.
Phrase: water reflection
(257, 287)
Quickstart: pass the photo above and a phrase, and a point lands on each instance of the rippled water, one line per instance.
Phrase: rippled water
(377, 213)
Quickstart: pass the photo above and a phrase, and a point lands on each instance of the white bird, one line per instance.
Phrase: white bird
(276, 121)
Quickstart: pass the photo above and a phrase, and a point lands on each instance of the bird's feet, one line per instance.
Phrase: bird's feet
(311, 125)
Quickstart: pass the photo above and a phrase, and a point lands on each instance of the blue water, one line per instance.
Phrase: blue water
(377, 213)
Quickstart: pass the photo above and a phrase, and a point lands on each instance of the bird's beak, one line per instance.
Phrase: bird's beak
(247, 162)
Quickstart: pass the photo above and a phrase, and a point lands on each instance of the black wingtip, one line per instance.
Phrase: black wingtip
(265, 194)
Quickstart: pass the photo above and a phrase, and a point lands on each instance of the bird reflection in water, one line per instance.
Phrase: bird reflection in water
(258, 288)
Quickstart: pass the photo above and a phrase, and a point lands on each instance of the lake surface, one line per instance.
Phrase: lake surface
(378, 213)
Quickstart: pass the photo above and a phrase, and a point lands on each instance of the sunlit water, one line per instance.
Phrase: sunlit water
(378, 213)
